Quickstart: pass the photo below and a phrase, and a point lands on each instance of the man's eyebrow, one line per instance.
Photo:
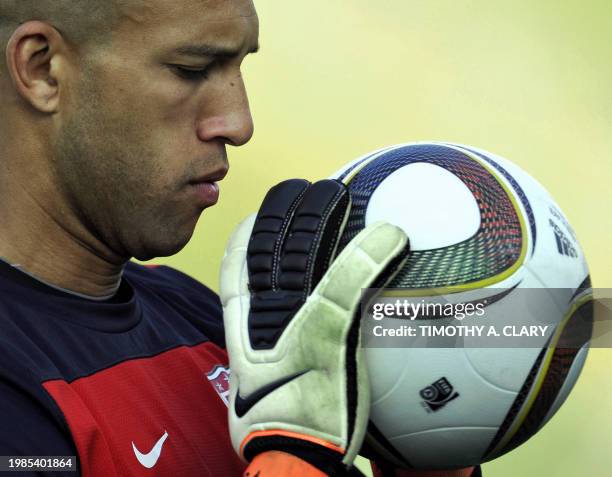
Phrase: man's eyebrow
(212, 50)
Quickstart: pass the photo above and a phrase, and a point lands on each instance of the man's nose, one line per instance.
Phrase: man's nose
(231, 120)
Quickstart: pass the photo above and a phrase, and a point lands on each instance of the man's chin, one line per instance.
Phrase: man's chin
(161, 248)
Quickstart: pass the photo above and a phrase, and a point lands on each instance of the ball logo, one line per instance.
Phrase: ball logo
(438, 394)
(564, 246)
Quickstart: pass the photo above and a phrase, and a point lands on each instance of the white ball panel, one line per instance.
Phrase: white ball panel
(408, 406)
(429, 449)
(505, 368)
(383, 364)
(430, 204)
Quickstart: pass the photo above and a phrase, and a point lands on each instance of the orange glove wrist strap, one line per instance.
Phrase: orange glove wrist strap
(280, 464)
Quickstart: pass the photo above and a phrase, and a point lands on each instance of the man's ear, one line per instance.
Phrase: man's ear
(33, 63)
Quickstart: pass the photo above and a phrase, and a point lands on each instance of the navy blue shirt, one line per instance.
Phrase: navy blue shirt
(115, 381)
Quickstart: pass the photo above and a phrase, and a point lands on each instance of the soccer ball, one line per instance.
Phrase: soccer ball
(476, 223)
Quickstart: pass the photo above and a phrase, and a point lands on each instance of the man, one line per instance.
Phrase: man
(115, 117)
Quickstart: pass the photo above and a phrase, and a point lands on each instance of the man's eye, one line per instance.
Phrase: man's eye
(191, 74)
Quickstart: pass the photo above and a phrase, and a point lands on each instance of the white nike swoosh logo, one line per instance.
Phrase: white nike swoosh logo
(149, 460)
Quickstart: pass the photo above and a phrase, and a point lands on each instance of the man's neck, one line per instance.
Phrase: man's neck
(80, 272)
(51, 285)
(43, 236)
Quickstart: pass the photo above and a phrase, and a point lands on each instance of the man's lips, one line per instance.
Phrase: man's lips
(206, 188)
(207, 193)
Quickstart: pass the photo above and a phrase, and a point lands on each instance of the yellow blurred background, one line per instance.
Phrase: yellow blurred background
(530, 81)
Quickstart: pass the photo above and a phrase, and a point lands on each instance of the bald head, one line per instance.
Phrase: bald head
(81, 22)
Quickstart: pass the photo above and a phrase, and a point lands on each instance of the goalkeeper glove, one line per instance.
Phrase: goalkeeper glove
(298, 379)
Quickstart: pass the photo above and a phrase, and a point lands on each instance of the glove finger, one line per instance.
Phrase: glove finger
(233, 280)
(285, 259)
(269, 232)
(313, 236)
(377, 252)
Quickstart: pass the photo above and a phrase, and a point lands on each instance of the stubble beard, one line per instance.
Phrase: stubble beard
(105, 169)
